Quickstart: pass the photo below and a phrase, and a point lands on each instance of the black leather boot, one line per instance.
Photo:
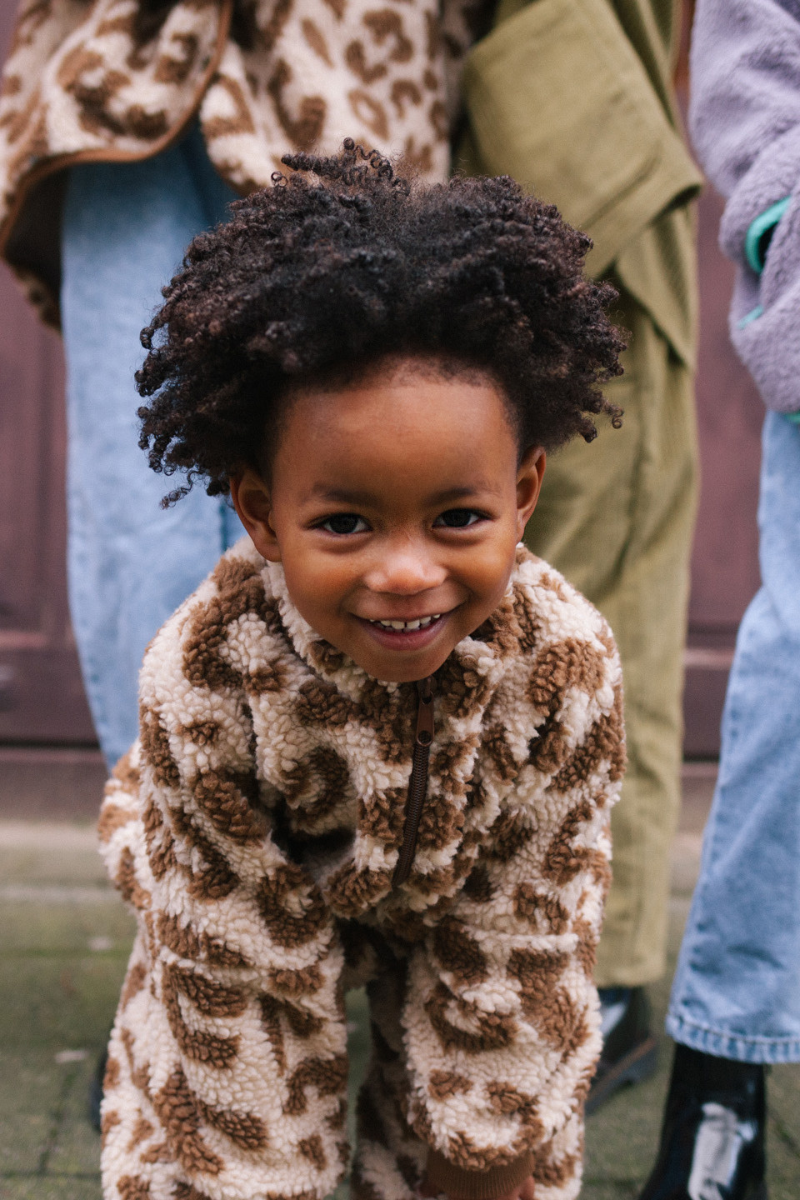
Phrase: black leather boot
(629, 1049)
(712, 1138)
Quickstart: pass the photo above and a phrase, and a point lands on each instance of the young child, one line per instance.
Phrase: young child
(380, 743)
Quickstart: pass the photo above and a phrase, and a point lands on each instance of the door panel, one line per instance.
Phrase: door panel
(41, 696)
(725, 571)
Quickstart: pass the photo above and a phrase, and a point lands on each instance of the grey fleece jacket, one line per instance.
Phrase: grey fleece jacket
(745, 123)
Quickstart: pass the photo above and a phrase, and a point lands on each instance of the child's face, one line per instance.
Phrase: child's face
(395, 505)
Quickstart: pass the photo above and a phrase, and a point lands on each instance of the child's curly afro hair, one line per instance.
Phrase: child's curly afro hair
(332, 272)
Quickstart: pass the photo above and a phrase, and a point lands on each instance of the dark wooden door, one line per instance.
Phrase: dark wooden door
(725, 571)
(41, 696)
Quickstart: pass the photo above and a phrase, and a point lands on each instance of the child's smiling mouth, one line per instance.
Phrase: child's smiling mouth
(411, 634)
(418, 623)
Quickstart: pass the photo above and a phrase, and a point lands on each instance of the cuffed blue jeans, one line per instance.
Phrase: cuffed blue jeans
(130, 562)
(736, 992)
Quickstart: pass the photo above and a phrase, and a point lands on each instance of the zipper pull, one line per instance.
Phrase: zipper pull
(418, 783)
(424, 735)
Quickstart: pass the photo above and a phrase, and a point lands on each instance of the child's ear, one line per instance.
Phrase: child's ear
(252, 502)
(529, 484)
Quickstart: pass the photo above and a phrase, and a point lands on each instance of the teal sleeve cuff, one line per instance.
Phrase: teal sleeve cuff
(759, 235)
(753, 315)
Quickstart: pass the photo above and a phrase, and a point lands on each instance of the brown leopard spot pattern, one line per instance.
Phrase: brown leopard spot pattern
(131, 1187)
(324, 1076)
(177, 1110)
(286, 928)
(490, 1031)
(155, 746)
(229, 800)
(444, 1084)
(545, 913)
(234, 847)
(459, 953)
(243, 1129)
(134, 982)
(183, 941)
(312, 1149)
(197, 1044)
(142, 1130)
(111, 819)
(506, 1099)
(382, 816)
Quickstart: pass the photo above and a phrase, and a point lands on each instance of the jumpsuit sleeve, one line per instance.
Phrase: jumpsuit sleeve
(227, 1067)
(501, 1014)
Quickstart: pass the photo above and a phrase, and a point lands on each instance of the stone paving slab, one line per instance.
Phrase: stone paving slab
(64, 940)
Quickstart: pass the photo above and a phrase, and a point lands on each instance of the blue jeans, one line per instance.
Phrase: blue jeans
(736, 993)
(130, 562)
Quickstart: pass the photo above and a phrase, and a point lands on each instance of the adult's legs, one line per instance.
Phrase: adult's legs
(735, 1001)
(130, 562)
(616, 517)
(736, 993)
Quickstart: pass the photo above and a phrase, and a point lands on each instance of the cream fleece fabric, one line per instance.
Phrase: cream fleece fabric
(254, 828)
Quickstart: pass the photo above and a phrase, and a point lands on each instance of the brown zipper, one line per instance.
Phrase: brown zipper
(418, 783)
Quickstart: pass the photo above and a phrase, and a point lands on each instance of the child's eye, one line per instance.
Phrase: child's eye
(458, 518)
(345, 523)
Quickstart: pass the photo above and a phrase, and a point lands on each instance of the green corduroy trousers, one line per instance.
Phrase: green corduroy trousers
(616, 517)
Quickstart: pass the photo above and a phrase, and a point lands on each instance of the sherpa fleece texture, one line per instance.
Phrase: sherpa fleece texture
(745, 123)
(254, 828)
(85, 82)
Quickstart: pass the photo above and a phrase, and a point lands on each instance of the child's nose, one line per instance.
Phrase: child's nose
(405, 568)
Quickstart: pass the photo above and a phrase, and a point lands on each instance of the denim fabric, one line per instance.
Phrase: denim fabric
(130, 562)
(737, 989)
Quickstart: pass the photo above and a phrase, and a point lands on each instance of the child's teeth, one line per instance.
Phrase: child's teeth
(407, 625)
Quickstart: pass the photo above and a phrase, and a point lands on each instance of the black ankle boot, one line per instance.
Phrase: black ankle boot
(629, 1049)
(712, 1138)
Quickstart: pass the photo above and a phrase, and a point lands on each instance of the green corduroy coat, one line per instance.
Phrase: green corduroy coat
(572, 98)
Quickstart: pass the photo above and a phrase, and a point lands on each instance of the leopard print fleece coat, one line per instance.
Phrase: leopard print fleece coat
(254, 828)
(120, 80)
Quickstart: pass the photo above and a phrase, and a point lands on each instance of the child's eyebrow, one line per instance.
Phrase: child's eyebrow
(341, 495)
(449, 496)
